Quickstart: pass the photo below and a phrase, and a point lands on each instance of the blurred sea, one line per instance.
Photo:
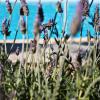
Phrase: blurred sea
(49, 12)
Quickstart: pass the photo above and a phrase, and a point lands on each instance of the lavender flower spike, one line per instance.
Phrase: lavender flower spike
(22, 25)
(9, 7)
(24, 10)
(5, 27)
(40, 12)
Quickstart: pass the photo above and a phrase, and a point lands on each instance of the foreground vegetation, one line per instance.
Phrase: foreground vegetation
(47, 82)
(51, 75)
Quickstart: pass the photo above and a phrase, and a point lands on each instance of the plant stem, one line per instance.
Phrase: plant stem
(14, 39)
(65, 16)
(27, 33)
(26, 49)
(5, 44)
(23, 46)
(10, 18)
(90, 86)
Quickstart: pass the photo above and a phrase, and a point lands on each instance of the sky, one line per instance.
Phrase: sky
(50, 0)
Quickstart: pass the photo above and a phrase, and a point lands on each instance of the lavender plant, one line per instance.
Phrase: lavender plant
(5, 31)
(67, 75)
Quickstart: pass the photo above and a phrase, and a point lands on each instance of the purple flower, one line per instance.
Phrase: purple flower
(96, 19)
(22, 25)
(85, 5)
(24, 10)
(40, 13)
(96, 15)
(5, 29)
(9, 7)
(59, 7)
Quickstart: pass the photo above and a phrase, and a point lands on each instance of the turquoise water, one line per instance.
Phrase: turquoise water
(49, 12)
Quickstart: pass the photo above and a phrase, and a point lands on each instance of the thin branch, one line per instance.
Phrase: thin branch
(14, 40)
(91, 4)
(12, 12)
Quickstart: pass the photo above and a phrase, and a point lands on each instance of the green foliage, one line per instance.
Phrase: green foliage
(33, 82)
